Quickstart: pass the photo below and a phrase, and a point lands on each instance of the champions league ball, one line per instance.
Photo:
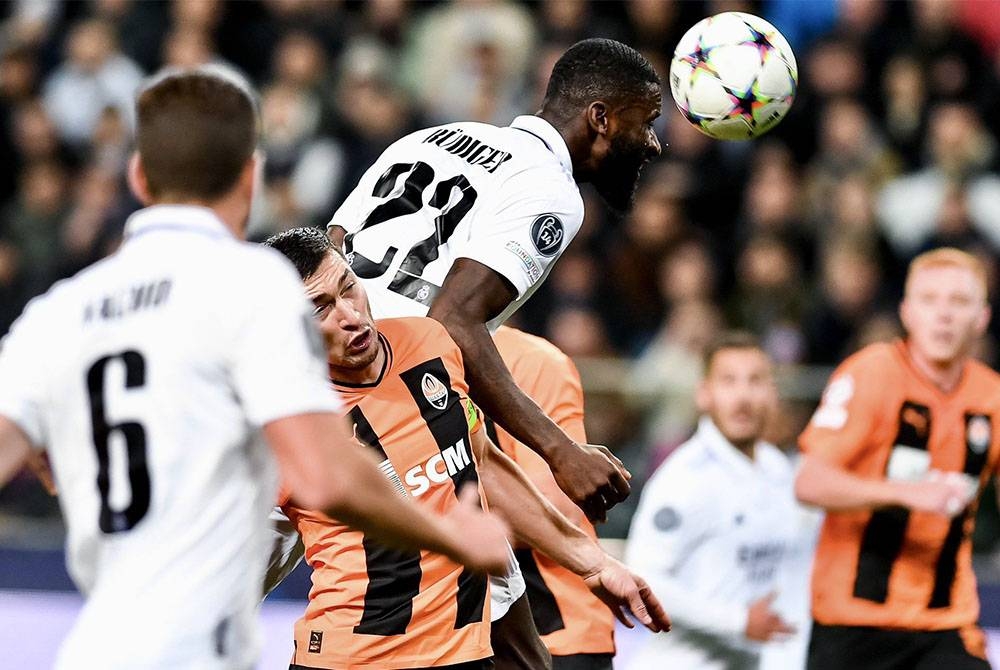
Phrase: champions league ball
(733, 76)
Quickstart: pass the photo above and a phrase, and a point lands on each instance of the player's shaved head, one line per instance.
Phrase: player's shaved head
(196, 130)
(597, 69)
(305, 247)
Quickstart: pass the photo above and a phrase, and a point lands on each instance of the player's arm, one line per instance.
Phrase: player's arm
(537, 522)
(666, 530)
(324, 470)
(15, 448)
(471, 296)
(841, 428)
(832, 487)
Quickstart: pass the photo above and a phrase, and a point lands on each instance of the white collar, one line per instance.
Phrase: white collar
(172, 218)
(709, 435)
(548, 134)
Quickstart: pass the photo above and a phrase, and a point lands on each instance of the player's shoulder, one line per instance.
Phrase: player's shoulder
(984, 382)
(416, 336)
(685, 468)
(773, 461)
(524, 345)
(879, 355)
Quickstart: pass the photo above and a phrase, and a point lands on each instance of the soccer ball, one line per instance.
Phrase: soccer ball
(733, 76)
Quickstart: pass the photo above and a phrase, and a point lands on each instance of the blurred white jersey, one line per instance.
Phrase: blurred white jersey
(710, 536)
(147, 378)
(504, 197)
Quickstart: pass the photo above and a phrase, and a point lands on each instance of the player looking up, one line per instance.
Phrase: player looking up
(898, 451)
(151, 378)
(463, 222)
(403, 380)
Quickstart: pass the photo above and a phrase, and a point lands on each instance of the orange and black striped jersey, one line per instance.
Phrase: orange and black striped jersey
(890, 567)
(373, 607)
(569, 617)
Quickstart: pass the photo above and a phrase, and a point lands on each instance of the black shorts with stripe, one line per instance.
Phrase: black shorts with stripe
(864, 648)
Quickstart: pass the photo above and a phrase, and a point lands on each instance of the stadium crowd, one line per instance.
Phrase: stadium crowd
(801, 237)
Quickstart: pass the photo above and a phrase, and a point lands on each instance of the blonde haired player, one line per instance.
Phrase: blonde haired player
(897, 453)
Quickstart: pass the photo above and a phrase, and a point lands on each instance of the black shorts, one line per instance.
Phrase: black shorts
(582, 662)
(515, 640)
(863, 648)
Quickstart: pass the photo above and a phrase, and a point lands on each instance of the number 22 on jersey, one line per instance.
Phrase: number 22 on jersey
(409, 199)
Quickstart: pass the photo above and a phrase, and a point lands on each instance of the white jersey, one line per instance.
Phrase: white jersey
(147, 378)
(710, 535)
(504, 197)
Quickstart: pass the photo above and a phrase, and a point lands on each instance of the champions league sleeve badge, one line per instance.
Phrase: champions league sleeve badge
(547, 234)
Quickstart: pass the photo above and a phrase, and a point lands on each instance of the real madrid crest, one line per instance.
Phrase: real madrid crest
(435, 392)
(978, 433)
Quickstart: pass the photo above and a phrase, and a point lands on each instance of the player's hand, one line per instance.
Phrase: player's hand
(481, 538)
(941, 493)
(764, 624)
(38, 463)
(593, 478)
(624, 591)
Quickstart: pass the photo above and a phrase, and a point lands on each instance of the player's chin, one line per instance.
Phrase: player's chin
(619, 197)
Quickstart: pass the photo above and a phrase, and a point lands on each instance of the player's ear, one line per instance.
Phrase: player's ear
(137, 181)
(597, 117)
(984, 320)
(252, 175)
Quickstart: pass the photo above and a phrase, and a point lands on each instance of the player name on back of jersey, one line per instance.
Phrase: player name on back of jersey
(468, 148)
(128, 301)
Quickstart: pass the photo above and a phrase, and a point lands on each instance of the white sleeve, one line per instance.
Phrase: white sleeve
(22, 385)
(287, 550)
(348, 215)
(527, 230)
(278, 359)
(668, 525)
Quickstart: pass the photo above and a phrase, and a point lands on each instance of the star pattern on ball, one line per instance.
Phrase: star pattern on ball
(759, 40)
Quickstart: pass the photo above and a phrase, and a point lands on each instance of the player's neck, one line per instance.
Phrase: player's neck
(944, 375)
(574, 134)
(231, 211)
(745, 447)
(361, 376)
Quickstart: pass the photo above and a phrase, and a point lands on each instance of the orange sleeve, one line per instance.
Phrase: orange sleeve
(849, 411)
(559, 392)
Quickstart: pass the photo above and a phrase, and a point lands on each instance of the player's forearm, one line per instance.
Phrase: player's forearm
(828, 486)
(494, 390)
(375, 508)
(694, 611)
(533, 519)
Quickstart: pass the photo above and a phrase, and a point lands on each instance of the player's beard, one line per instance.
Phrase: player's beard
(618, 174)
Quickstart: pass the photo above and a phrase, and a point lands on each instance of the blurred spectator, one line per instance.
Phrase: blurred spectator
(959, 148)
(657, 221)
(579, 331)
(469, 61)
(665, 375)
(903, 103)
(31, 225)
(848, 145)
(769, 298)
(802, 22)
(848, 296)
(94, 76)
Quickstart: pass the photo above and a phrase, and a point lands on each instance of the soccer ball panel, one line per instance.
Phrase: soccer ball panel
(733, 76)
